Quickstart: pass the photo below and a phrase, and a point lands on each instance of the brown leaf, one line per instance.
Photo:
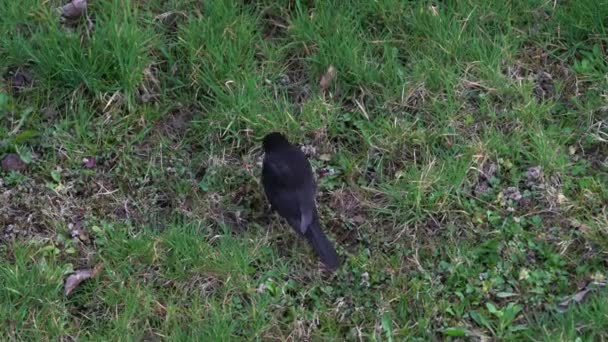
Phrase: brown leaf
(81, 234)
(12, 162)
(79, 276)
(74, 9)
(576, 298)
(325, 157)
(328, 78)
(580, 295)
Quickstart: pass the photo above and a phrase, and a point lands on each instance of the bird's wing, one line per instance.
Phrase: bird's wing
(277, 180)
(306, 202)
(286, 204)
(290, 191)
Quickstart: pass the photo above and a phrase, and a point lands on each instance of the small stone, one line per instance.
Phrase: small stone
(12, 162)
(89, 162)
(74, 9)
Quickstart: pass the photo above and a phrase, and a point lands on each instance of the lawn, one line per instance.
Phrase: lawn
(460, 147)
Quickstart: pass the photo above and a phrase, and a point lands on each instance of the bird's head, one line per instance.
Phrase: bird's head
(274, 140)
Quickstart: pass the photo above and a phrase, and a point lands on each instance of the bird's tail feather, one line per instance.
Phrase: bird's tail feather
(322, 246)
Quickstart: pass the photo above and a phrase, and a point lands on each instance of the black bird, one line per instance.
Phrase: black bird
(290, 188)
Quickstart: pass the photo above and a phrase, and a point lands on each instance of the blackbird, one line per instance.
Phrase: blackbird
(290, 188)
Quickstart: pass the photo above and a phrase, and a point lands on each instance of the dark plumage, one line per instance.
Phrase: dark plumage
(290, 188)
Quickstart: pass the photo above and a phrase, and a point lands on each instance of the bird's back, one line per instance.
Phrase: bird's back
(287, 168)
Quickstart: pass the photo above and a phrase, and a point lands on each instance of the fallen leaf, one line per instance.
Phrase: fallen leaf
(12, 162)
(79, 276)
(328, 78)
(160, 309)
(81, 235)
(325, 157)
(599, 278)
(580, 295)
(73, 9)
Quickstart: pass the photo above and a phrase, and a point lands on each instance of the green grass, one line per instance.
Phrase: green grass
(430, 106)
